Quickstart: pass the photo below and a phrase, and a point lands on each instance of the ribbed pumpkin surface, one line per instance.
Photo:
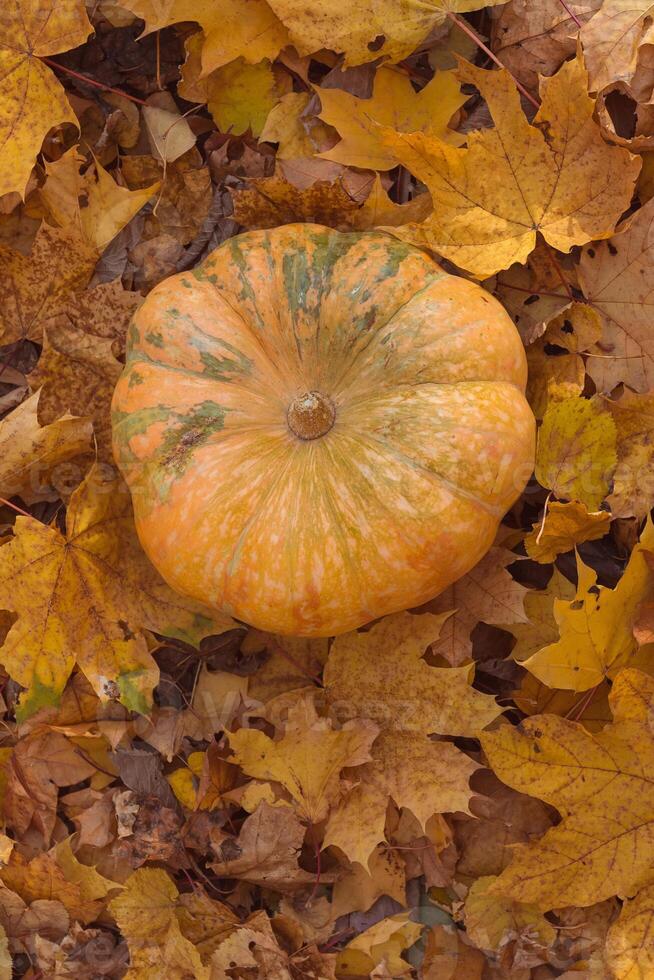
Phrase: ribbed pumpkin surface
(320, 428)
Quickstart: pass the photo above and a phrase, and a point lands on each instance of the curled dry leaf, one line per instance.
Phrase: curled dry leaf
(557, 176)
(563, 527)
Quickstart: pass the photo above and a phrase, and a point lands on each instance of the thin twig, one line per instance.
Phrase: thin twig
(19, 510)
(559, 271)
(467, 29)
(92, 81)
(571, 14)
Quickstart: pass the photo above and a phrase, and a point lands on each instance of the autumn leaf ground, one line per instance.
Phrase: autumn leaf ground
(462, 791)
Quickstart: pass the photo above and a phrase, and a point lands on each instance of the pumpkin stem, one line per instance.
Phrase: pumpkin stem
(310, 415)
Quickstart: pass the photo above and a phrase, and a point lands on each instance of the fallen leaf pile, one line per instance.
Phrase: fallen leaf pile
(461, 791)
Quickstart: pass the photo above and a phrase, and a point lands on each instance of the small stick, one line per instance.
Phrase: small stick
(465, 27)
(92, 81)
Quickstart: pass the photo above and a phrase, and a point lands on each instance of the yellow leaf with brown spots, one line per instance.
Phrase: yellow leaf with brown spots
(557, 176)
(32, 100)
(556, 369)
(576, 454)
(381, 674)
(612, 40)
(378, 209)
(30, 453)
(84, 597)
(38, 287)
(308, 760)
(600, 784)
(596, 629)
(565, 526)
(270, 201)
(369, 29)
(394, 103)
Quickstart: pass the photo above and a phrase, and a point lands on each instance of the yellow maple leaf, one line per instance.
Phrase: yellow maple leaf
(614, 276)
(307, 761)
(107, 207)
(32, 101)
(380, 674)
(394, 103)
(629, 950)
(146, 913)
(424, 776)
(600, 784)
(556, 369)
(633, 480)
(232, 28)
(29, 452)
(564, 527)
(557, 176)
(576, 454)
(239, 95)
(596, 628)
(83, 598)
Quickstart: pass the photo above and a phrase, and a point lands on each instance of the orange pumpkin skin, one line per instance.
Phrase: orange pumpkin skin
(320, 428)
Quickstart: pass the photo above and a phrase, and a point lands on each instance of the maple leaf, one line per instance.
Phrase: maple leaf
(85, 596)
(557, 176)
(239, 95)
(380, 674)
(596, 628)
(38, 287)
(32, 99)
(146, 915)
(183, 200)
(424, 776)
(266, 851)
(612, 39)
(633, 480)
(615, 276)
(394, 104)
(600, 785)
(307, 761)
(246, 28)
(287, 125)
(629, 951)
(564, 527)
(556, 369)
(486, 594)
(107, 207)
(30, 453)
(576, 454)
(270, 201)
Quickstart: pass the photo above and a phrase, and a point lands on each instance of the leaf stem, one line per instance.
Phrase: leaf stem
(467, 29)
(92, 81)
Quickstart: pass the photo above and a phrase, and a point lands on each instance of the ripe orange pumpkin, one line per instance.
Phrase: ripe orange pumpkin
(320, 428)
